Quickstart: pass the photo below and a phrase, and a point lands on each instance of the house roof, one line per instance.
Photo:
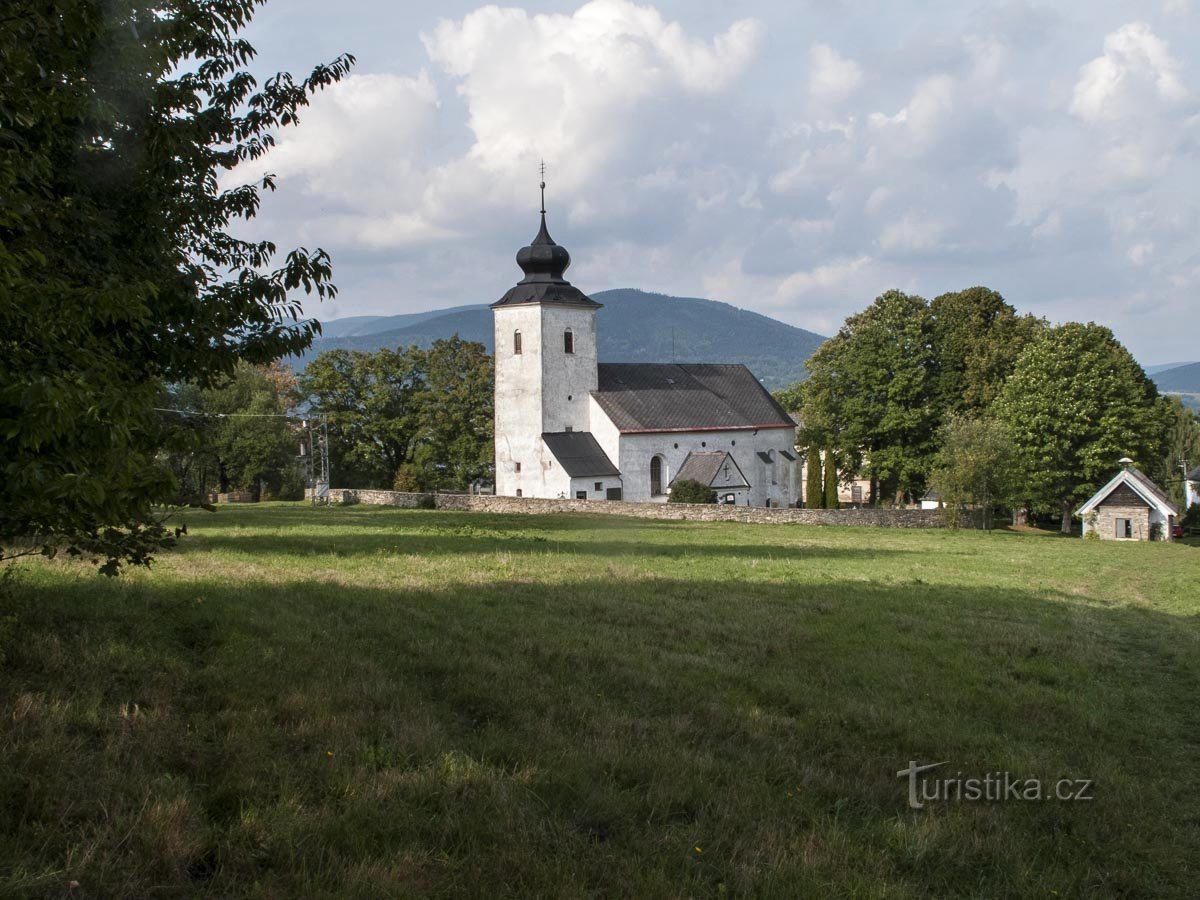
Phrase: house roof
(705, 466)
(1193, 475)
(657, 397)
(579, 454)
(1140, 484)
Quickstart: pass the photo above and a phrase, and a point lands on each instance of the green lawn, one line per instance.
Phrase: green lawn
(369, 702)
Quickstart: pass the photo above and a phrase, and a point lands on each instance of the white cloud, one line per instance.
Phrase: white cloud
(1136, 67)
(832, 77)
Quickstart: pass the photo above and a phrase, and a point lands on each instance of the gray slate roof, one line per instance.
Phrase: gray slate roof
(579, 454)
(1194, 475)
(686, 397)
(704, 466)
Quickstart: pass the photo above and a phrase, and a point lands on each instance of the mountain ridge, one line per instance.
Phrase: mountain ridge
(632, 326)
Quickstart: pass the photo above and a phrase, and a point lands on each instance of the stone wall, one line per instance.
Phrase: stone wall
(1106, 522)
(882, 518)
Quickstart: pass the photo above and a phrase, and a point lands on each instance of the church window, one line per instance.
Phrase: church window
(656, 477)
(568, 341)
(517, 343)
(599, 485)
(581, 495)
(518, 492)
(516, 467)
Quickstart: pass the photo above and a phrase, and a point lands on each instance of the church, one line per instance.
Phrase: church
(569, 426)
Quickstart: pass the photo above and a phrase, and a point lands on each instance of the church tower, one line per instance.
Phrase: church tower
(545, 356)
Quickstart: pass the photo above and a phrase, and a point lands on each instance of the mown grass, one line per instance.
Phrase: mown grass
(369, 702)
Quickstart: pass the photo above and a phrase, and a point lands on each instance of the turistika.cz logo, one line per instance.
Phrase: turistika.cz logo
(992, 787)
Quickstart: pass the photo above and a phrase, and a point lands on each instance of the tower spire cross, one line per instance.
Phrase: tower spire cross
(543, 186)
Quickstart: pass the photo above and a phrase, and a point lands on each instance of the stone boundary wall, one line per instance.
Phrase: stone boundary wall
(696, 512)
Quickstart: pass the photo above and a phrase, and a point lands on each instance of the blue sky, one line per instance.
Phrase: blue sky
(796, 159)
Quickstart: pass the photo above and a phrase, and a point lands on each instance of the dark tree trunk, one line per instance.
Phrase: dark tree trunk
(1066, 517)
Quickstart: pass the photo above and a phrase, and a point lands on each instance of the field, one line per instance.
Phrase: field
(368, 702)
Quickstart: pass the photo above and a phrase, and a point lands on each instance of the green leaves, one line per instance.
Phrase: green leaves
(119, 267)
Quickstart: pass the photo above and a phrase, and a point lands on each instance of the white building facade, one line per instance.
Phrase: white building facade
(568, 426)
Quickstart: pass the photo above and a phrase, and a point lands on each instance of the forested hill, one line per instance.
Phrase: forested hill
(634, 326)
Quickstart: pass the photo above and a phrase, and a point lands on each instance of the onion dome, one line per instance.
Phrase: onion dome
(544, 263)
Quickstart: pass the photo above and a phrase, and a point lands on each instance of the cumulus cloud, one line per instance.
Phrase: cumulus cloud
(1136, 68)
(831, 76)
(778, 159)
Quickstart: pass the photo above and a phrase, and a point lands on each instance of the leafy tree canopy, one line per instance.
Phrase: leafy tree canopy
(1076, 403)
(119, 124)
(688, 490)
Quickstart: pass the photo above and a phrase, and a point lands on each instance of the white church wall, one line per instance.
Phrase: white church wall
(568, 378)
(519, 402)
(636, 451)
(593, 488)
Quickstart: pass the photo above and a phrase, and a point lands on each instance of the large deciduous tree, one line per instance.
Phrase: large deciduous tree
(869, 394)
(1075, 404)
(976, 465)
(409, 417)
(977, 337)
(118, 269)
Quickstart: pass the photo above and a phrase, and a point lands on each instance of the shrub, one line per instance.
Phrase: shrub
(689, 491)
(426, 501)
(407, 479)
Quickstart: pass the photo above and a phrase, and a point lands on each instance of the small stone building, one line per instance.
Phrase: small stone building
(1130, 507)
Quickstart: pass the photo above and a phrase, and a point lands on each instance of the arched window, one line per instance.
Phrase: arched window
(517, 343)
(568, 341)
(656, 479)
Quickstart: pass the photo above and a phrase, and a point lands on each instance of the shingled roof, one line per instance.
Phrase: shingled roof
(686, 397)
(1141, 485)
(579, 454)
(704, 466)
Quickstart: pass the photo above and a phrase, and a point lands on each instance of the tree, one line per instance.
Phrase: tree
(688, 490)
(421, 416)
(870, 395)
(1181, 451)
(831, 500)
(118, 269)
(1076, 403)
(977, 337)
(454, 413)
(371, 403)
(252, 445)
(975, 465)
(814, 497)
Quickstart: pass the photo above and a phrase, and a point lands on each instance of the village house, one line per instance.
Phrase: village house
(1130, 507)
(569, 426)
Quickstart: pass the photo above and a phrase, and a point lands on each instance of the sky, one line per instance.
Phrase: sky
(793, 158)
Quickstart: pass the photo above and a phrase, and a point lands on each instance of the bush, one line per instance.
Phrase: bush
(688, 491)
(291, 485)
(407, 479)
(426, 501)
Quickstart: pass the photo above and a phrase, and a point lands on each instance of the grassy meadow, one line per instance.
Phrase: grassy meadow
(367, 702)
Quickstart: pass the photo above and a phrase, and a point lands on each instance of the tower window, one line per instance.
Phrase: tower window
(656, 477)
(516, 467)
(568, 341)
(517, 343)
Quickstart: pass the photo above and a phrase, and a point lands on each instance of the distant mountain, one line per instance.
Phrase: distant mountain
(634, 326)
(1162, 367)
(1180, 379)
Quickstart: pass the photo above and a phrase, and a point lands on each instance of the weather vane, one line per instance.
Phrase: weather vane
(543, 170)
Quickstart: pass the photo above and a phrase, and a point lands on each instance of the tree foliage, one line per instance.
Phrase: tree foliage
(118, 269)
(976, 465)
(869, 394)
(1076, 403)
(814, 490)
(1181, 449)
(977, 337)
(421, 418)
(688, 490)
(830, 500)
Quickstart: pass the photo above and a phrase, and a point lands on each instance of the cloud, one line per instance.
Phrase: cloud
(831, 77)
(784, 159)
(1136, 68)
